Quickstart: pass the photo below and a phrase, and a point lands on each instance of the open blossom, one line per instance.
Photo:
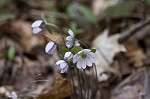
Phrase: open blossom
(71, 40)
(36, 26)
(50, 47)
(13, 95)
(84, 58)
(62, 66)
(68, 55)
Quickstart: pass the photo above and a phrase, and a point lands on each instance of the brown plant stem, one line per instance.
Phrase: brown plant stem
(133, 29)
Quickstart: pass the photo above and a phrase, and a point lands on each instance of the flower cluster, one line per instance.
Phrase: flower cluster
(73, 53)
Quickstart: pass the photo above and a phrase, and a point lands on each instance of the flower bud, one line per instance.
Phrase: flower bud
(36, 26)
(68, 56)
(50, 47)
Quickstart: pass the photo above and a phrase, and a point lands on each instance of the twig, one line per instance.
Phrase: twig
(80, 84)
(87, 85)
(132, 30)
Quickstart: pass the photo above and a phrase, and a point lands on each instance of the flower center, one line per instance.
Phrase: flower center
(83, 55)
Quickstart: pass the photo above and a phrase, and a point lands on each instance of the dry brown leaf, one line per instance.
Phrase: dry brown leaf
(135, 53)
(61, 90)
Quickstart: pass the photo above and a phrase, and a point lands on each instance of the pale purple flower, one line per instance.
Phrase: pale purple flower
(50, 47)
(36, 26)
(84, 58)
(62, 66)
(68, 56)
(13, 95)
(71, 41)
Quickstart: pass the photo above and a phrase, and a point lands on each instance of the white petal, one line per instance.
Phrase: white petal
(86, 51)
(77, 43)
(49, 47)
(76, 58)
(88, 62)
(79, 64)
(58, 67)
(92, 54)
(59, 62)
(52, 50)
(37, 30)
(36, 23)
(91, 58)
(69, 38)
(69, 44)
(68, 55)
(83, 63)
(64, 69)
(71, 33)
(63, 65)
(80, 52)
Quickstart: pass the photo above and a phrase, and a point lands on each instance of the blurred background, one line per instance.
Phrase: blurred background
(118, 29)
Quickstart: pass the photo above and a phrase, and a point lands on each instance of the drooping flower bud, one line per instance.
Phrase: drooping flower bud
(62, 66)
(68, 56)
(50, 47)
(36, 26)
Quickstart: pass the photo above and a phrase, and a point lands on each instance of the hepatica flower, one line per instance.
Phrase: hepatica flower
(84, 58)
(36, 26)
(62, 66)
(50, 47)
(71, 41)
(68, 56)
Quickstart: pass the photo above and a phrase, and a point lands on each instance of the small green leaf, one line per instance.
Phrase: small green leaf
(63, 50)
(11, 53)
(73, 27)
(121, 9)
(76, 49)
(87, 13)
(65, 29)
(79, 31)
(93, 50)
(5, 16)
(71, 11)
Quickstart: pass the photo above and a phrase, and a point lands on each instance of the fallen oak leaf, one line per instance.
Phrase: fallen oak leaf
(107, 48)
